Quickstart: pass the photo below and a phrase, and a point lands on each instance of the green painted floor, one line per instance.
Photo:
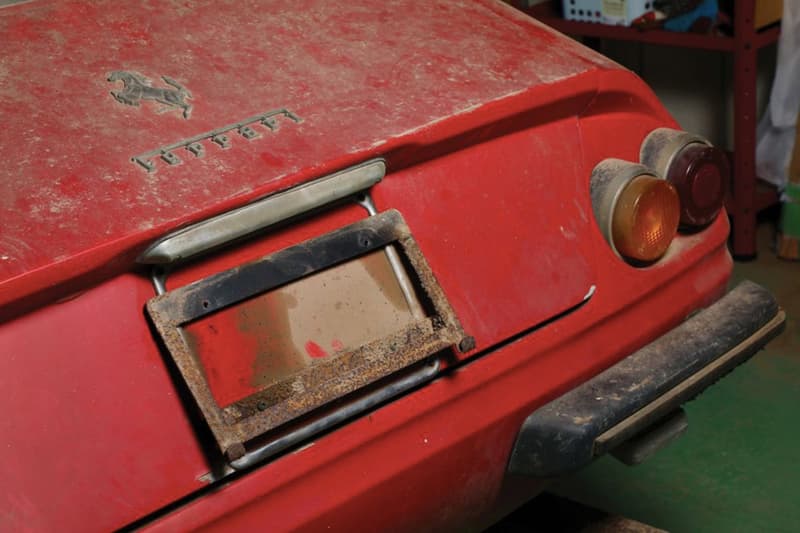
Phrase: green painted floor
(738, 466)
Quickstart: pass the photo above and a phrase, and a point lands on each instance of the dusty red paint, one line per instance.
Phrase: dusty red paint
(490, 126)
(314, 350)
(53, 361)
(237, 60)
(337, 345)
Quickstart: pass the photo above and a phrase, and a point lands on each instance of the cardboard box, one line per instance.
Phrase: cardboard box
(767, 12)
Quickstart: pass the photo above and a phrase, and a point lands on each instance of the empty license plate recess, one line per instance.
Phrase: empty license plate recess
(266, 342)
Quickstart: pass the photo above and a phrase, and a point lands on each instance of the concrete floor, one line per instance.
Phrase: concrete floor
(738, 466)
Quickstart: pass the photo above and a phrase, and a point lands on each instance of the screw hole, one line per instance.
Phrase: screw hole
(205, 304)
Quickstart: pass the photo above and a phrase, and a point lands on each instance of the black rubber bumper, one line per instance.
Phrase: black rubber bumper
(627, 398)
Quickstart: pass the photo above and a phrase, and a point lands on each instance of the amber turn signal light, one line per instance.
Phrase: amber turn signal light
(637, 211)
(645, 219)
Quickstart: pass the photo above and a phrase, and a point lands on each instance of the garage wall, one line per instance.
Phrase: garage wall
(695, 85)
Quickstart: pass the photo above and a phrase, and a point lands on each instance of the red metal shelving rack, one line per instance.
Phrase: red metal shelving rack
(748, 196)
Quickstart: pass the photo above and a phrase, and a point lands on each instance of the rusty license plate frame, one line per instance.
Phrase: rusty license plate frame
(242, 421)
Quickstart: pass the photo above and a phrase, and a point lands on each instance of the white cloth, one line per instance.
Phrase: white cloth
(775, 134)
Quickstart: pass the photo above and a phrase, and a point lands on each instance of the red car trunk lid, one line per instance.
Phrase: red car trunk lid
(360, 78)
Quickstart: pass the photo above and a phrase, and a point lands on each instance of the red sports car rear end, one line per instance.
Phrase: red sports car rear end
(339, 266)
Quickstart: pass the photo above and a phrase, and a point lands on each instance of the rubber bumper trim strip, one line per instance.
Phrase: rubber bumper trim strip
(625, 399)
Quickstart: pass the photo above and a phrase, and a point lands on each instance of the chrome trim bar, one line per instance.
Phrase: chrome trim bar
(369, 401)
(221, 229)
(406, 286)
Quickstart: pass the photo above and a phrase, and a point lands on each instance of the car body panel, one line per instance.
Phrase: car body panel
(449, 441)
(363, 77)
(489, 124)
(90, 401)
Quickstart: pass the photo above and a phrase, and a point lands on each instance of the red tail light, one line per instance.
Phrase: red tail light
(699, 171)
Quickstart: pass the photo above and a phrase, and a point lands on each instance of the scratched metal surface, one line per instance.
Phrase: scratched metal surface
(364, 77)
(282, 332)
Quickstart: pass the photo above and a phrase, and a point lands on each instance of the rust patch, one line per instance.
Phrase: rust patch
(352, 309)
(271, 337)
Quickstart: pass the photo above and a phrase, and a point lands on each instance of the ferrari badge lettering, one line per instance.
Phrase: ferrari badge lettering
(197, 146)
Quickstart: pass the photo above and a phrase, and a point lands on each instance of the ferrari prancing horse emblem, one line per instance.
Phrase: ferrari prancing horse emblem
(137, 88)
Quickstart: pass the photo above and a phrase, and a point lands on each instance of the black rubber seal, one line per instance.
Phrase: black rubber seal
(570, 431)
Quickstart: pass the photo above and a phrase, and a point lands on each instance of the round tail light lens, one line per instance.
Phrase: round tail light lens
(645, 219)
(699, 171)
(637, 212)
